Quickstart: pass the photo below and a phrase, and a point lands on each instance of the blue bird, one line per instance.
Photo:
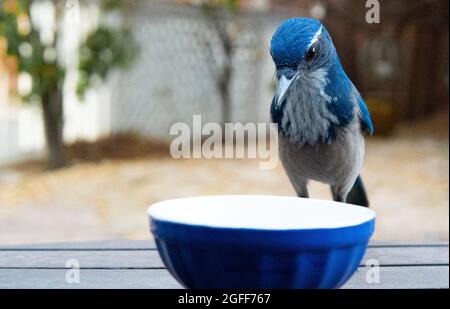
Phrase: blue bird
(320, 114)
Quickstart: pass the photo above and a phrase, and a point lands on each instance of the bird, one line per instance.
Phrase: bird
(320, 115)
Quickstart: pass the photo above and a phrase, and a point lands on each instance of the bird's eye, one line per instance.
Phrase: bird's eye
(311, 53)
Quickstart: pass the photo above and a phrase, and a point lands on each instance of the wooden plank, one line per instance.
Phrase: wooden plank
(386, 244)
(89, 279)
(150, 258)
(403, 277)
(390, 277)
(86, 245)
(150, 244)
(408, 255)
(86, 259)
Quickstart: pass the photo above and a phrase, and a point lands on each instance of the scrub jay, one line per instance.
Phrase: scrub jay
(320, 114)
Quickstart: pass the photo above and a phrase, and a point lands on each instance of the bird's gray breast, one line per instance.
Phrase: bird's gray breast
(305, 116)
(332, 163)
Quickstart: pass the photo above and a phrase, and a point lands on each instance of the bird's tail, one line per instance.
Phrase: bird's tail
(357, 195)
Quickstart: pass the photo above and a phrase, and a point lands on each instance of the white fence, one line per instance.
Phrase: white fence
(21, 132)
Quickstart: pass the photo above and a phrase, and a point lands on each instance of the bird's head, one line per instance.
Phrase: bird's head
(314, 95)
(301, 48)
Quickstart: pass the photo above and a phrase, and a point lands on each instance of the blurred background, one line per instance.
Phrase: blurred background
(89, 90)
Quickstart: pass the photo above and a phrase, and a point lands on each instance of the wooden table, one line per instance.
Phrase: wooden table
(136, 264)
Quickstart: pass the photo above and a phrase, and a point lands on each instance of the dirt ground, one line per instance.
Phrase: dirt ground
(407, 178)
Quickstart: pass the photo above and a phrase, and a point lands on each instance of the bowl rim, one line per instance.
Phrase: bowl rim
(154, 218)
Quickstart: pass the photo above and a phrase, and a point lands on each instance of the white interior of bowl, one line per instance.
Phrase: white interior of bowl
(260, 212)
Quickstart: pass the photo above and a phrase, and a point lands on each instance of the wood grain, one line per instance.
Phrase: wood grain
(136, 264)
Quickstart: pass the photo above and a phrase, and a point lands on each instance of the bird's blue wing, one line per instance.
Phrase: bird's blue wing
(364, 116)
(343, 94)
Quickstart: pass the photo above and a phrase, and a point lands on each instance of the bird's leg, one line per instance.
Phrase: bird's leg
(339, 195)
(301, 189)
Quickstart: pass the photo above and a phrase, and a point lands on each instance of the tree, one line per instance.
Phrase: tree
(105, 48)
(221, 15)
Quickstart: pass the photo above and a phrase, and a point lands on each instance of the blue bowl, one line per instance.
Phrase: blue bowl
(260, 241)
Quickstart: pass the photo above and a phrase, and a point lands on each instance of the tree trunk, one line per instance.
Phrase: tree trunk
(52, 109)
(224, 89)
(221, 22)
(224, 82)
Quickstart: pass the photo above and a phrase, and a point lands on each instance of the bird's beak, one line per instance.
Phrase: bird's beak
(284, 83)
